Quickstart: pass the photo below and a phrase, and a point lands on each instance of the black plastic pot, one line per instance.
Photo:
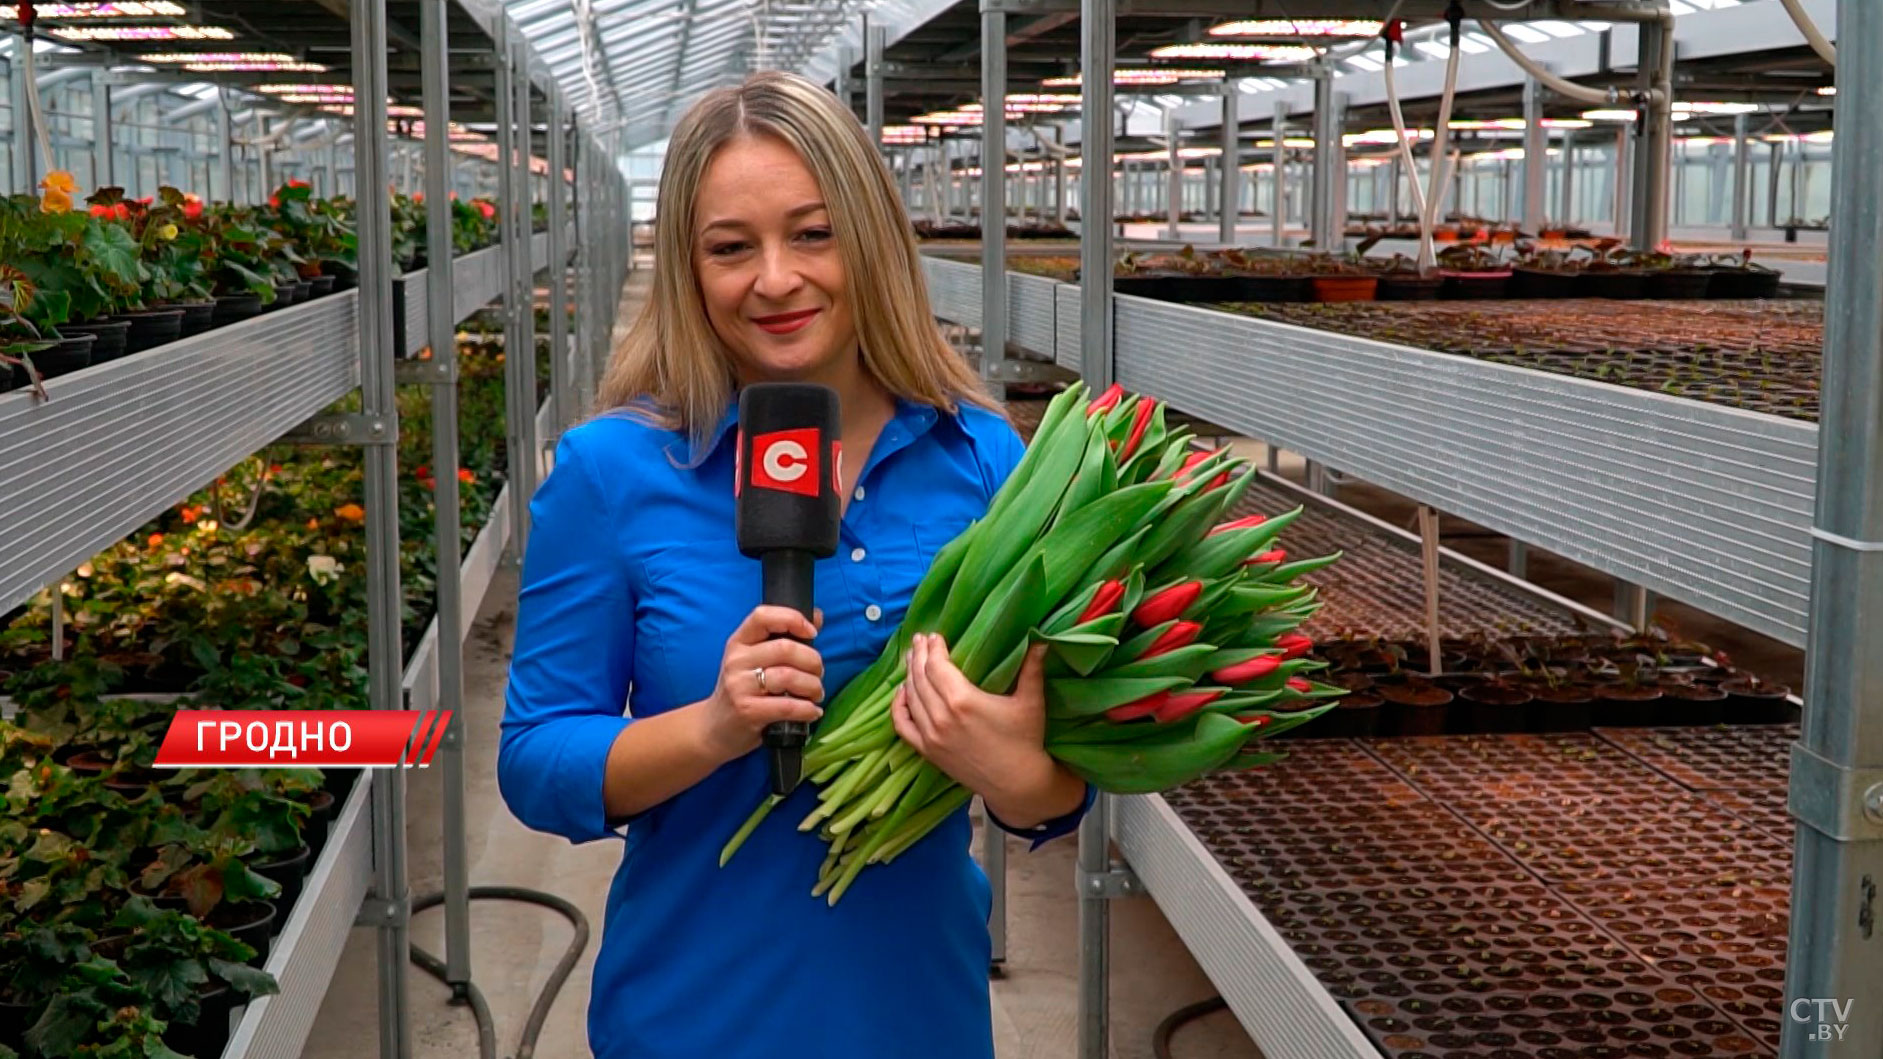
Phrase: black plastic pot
(72, 353)
(250, 922)
(1679, 283)
(16, 1019)
(1408, 287)
(231, 308)
(1561, 709)
(303, 291)
(288, 869)
(209, 1035)
(1353, 717)
(321, 808)
(1692, 704)
(1474, 285)
(1611, 283)
(112, 334)
(1496, 708)
(151, 328)
(284, 297)
(1541, 283)
(197, 318)
(1742, 283)
(344, 278)
(322, 285)
(1271, 289)
(1617, 706)
(1755, 704)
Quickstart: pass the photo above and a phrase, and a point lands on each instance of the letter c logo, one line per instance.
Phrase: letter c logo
(786, 460)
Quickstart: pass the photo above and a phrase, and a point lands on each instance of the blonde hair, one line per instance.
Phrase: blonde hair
(672, 359)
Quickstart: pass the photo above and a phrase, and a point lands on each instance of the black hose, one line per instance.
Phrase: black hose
(468, 991)
(1160, 1037)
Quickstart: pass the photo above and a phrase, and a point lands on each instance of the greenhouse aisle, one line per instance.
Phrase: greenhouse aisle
(513, 947)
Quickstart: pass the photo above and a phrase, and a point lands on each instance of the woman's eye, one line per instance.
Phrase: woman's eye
(724, 249)
(815, 235)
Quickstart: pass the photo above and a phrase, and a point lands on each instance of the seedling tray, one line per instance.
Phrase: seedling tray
(1555, 897)
(1763, 356)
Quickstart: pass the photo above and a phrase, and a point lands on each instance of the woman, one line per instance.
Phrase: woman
(782, 253)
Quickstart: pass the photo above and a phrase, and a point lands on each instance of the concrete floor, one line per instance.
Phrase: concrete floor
(514, 947)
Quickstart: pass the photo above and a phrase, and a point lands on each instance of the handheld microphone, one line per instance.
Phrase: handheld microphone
(790, 457)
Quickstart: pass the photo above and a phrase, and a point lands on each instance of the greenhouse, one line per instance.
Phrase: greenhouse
(1417, 608)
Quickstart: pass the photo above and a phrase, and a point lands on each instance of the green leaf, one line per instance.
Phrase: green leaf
(1087, 696)
(1167, 756)
(1187, 662)
(63, 1026)
(171, 981)
(112, 250)
(249, 981)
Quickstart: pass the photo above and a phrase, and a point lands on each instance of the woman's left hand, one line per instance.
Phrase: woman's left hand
(994, 745)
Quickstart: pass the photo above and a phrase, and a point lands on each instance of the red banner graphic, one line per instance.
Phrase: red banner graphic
(289, 738)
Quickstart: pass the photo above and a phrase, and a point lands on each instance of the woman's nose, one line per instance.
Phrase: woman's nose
(778, 275)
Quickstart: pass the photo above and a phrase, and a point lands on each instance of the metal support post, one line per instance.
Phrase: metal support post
(1228, 171)
(102, 172)
(1279, 206)
(1742, 176)
(1834, 953)
(512, 234)
(1327, 125)
(22, 138)
(845, 59)
(1624, 174)
(993, 190)
(873, 69)
(1535, 157)
(1173, 175)
(435, 62)
(373, 223)
(1098, 53)
(1059, 176)
(1519, 564)
(520, 360)
(1566, 207)
(1632, 604)
(561, 379)
(1654, 159)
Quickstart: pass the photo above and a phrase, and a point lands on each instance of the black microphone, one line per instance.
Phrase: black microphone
(790, 457)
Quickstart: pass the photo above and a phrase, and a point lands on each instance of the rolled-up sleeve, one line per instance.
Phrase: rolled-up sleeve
(573, 658)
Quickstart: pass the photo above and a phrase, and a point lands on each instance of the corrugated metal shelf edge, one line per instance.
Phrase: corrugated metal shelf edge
(1273, 994)
(119, 442)
(1701, 503)
(308, 949)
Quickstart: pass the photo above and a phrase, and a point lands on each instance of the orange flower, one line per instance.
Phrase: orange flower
(59, 187)
(274, 468)
(313, 523)
(156, 540)
(465, 475)
(351, 512)
(192, 210)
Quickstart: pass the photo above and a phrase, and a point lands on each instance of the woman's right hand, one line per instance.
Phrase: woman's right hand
(740, 707)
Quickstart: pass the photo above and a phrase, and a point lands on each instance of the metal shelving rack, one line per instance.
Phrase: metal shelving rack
(1697, 502)
(1744, 515)
(117, 444)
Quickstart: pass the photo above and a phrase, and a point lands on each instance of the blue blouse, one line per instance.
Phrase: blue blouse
(632, 583)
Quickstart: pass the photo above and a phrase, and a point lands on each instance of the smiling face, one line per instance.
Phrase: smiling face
(769, 270)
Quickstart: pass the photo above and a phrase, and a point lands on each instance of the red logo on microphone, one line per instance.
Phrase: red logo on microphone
(786, 460)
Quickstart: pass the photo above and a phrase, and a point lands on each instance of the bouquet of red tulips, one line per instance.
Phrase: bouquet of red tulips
(1171, 631)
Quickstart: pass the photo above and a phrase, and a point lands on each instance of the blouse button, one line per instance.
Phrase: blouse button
(873, 613)
(857, 554)
(859, 492)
